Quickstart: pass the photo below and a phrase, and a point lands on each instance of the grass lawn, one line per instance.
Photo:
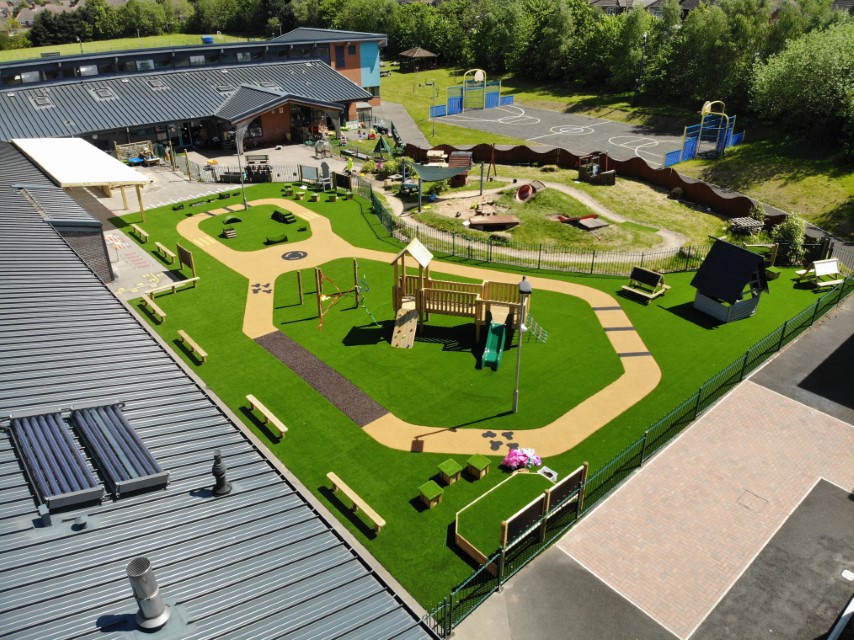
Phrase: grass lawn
(538, 226)
(480, 522)
(255, 226)
(436, 382)
(119, 44)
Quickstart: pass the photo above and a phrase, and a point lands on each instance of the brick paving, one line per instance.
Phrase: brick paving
(675, 539)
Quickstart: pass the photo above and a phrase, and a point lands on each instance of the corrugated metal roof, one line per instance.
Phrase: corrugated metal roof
(260, 562)
(305, 35)
(248, 101)
(159, 97)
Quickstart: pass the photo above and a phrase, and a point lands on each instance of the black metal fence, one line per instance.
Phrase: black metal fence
(505, 562)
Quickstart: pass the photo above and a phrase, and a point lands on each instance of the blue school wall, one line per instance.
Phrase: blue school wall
(369, 55)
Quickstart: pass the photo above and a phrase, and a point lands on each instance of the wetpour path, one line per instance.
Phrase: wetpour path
(347, 397)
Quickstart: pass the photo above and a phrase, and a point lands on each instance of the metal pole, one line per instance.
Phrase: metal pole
(524, 291)
(239, 145)
(639, 81)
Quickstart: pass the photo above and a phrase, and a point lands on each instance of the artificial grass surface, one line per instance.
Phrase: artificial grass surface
(688, 347)
(438, 382)
(480, 522)
(255, 227)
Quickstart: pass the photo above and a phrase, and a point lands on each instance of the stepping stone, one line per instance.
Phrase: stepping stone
(488, 434)
(508, 435)
(495, 445)
(513, 445)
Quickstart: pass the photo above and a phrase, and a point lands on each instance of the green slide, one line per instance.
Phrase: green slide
(494, 348)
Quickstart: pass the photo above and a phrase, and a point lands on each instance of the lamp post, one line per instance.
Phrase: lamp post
(639, 81)
(80, 43)
(525, 290)
(238, 140)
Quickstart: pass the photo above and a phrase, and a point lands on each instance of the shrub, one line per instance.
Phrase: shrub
(790, 236)
(437, 188)
(676, 193)
(369, 166)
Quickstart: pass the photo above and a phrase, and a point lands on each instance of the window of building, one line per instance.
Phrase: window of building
(351, 50)
(340, 58)
(244, 56)
(374, 91)
(30, 76)
(197, 61)
(145, 65)
(87, 70)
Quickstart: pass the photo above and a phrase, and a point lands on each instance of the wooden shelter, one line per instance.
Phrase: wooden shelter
(417, 59)
(730, 282)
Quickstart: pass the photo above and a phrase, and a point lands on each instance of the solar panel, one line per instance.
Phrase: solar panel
(53, 461)
(121, 456)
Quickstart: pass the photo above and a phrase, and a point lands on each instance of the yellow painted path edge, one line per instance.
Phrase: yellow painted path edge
(641, 373)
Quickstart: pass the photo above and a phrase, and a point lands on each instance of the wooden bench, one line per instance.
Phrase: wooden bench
(140, 233)
(189, 342)
(166, 253)
(645, 283)
(358, 503)
(268, 416)
(261, 158)
(174, 286)
(822, 273)
(148, 302)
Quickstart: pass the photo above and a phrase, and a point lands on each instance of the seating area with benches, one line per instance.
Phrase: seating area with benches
(150, 304)
(285, 217)
(192, 346)
(821, 273)
(173, 286)
(258, 158)
(358, 503)
(139, 232)
(268, 416)
(646, 284)
(166, 253)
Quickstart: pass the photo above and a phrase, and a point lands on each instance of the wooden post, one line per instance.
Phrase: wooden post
(317, 279)
(139, 198)
(124, 197)
(187, 160)
(299, 285)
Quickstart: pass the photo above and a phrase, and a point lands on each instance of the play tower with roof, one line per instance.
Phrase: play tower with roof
(416, 296)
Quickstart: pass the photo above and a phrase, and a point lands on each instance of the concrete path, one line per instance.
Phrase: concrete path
(403, 122)
(641, 373)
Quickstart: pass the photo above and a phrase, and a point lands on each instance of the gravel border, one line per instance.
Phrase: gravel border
(347, 397)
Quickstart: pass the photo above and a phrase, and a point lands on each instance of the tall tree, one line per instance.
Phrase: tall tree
(808, 88)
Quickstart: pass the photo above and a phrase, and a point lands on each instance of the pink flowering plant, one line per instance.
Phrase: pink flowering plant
(518, 458)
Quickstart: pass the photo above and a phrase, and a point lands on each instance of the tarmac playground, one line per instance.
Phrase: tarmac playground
(578, 134)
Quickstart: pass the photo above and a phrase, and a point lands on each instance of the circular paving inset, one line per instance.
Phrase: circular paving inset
(294, 255)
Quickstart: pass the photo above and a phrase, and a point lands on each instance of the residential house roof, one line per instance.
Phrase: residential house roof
(260, 562)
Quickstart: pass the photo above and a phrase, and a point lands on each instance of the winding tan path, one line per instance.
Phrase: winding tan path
(641, 373)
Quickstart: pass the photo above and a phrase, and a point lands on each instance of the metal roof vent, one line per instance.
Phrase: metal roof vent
(222, 486)
(153, 613)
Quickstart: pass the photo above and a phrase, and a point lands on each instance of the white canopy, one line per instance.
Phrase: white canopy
(74, 162)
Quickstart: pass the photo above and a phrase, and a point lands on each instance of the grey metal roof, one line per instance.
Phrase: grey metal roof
(248, 101)
(55, 205)
(84, 106)
(258, 563)
(305, 35)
